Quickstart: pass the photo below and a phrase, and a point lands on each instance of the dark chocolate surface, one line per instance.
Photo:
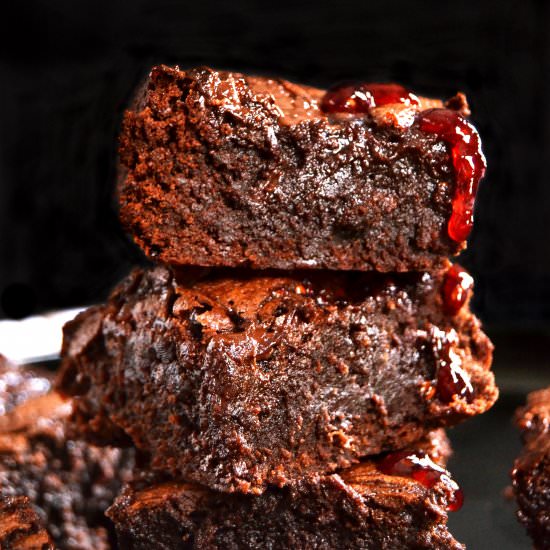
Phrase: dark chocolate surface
(220, 168)
(233, 380)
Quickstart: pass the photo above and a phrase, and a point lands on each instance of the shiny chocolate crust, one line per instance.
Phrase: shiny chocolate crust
(224, 169)
(531, 473)
(239, 379)
(69, 483)
(359, 508)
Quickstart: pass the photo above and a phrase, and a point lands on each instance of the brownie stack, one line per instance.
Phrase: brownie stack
(286, 368)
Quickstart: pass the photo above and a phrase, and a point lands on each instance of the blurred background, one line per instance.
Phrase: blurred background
(68, 69)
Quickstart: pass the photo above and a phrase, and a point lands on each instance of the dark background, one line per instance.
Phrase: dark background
(68, 69)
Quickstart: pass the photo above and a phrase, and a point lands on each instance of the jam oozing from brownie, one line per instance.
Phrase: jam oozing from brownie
(468, 162)
(451, 378)
(360, 98)
(423, 469)
(457, 287)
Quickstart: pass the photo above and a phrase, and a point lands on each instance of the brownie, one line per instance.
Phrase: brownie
(531, 473)
(21, 528)
(361, 507)
(69, 483)
(235, 379)
(224, 169)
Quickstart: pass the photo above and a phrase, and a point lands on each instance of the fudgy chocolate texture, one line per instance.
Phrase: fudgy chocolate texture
(69, 483)
(531, 473)
(20, 526)
(224, 169)
(357, 508)
(236, 379)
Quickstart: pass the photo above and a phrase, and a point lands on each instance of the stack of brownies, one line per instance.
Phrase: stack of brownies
(286, 369)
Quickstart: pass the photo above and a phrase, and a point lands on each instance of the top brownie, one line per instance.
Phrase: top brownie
(220, 168)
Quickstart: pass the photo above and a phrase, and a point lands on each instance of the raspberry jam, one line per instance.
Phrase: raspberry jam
(423, 469)
(457, 287)
(360, 98)
(468, 162)
(452, 379)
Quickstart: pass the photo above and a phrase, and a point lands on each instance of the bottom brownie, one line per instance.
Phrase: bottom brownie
(531, 473)
(398, 501)
(69, 484)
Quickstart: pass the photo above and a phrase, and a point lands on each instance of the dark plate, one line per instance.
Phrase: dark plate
(484, 452)
(485, 447)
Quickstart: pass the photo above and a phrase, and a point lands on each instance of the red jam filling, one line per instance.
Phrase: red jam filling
(457, 287)
(468, 161)
(360, 98)
(451, 379)
(423, 469)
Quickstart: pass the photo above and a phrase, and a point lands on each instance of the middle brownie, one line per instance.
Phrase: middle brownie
(239, 379)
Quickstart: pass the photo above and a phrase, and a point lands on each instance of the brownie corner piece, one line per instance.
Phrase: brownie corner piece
(531, 472)
(235, 379)
(362, 507)
(224, 169)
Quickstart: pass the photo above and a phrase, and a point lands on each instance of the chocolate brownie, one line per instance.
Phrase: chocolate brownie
(235, 379)
(531, 473)
(366, 506)
(69, 483)
(224, 169)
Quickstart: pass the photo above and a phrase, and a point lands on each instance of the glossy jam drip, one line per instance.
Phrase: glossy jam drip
(457, 287)
(452, 380)
(468, 162)
(423, 469)
(360, 98)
